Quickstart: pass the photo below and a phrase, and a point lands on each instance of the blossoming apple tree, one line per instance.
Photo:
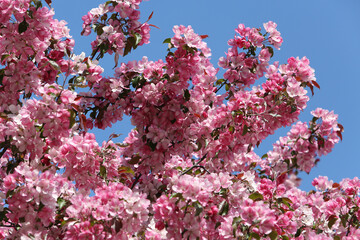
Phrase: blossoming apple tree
(188, 169)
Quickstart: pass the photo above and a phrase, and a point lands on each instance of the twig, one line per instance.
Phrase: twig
(196, 166)
(136, 181)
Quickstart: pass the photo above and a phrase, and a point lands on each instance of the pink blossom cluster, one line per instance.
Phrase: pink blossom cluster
(188, 169)
(120, 31)
(115, 212)
(303, 144)
(246, 66)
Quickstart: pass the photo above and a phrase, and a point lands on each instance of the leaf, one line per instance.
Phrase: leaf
(271, 50)
(113, 135)
(150, 16)
(55, 65)
(298, 232)
(103, 171)
(116, 60)
(273, 235)
(152, 25)
(134, 160)
(315, 84)
(4, 56)
(311, 88)
(122, 145)
(256, 196)
(137, 37)
(124, 169)
(72, 118)
(118, 225)
(231, 129)
(176, 195)
(204, 36)
(245, 130)
(264, 156)
(23, 26)
(220, 81)
(344, 219)
(235, 224)
(284, 200)
(99, 30)
(128, 46)
(168, 40)
(227, 86)
(293, 108)
(332, 220)
(198, 208)
(254, 235)
(341, 127)
(217, 225)
(61, 203)
(186, 95)
(199, 146)
(339, 134)
(48, 2)
(223, 208)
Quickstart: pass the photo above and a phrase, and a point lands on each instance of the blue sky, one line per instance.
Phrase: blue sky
(325, 31)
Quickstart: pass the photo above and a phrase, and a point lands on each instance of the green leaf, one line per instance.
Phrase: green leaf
(264, 156)
(41, 206)
(122, 145)
(168, 40)
(103, 171)
(54, 65)
(23, 26)
(99, 30)
(151, 145)
(273, 235)
(3, 215)
(4, 56)
(176, 195)
(245, 130)
(332, 220)
(271, 50)
(223, 208)
(227, 86)
(220, 81)
(298, 232)
(72, 118)
(254, 235)
(256, 196)
(344, 219)
(337, 238)
(10, 193)
(231, 129)
(124, 169)
(186, 95)
(138, 38)
(217, 225)
(199, 146)
(198, 208)
(61, 203)
(285, 201)
(128, 46)
(235, 224)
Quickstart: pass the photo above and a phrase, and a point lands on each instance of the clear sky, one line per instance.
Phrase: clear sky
(325, 31)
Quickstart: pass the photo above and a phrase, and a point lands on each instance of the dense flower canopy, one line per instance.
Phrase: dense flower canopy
(188, 169)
